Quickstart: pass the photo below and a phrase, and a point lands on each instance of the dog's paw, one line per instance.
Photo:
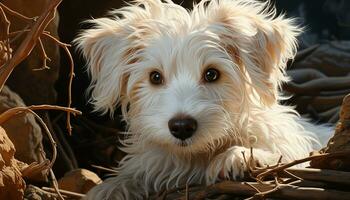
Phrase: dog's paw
(228, 165)
(232, 164)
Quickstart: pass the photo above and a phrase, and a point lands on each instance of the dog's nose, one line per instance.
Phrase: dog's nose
(182, 127)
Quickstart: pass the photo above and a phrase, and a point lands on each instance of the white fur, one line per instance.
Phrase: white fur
(242, 39)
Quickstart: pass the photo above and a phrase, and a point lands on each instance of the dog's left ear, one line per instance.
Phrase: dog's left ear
(260, 43)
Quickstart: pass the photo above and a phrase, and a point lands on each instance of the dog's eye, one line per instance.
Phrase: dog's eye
(211, 75)
(156, 78)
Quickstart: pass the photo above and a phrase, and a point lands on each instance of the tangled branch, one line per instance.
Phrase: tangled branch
(33, 39)
(34, 30)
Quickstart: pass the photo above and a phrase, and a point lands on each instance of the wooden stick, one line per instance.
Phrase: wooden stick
(16, 14)
(18, 110)
(285, 191)
(105, 169)
(55, 185)
(277, 169)
(64, 192)
(64, 46)
(323, 175)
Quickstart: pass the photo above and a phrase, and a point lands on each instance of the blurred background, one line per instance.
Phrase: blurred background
(320, 79)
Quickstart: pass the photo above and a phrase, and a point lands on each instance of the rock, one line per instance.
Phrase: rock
(340, 142)
(11, 183)
(79, 181)
(35, 193)
(332, 59)
(23, 131)
(319, 80)
(341, 138)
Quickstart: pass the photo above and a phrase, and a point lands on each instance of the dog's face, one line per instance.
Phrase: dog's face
(187, 81)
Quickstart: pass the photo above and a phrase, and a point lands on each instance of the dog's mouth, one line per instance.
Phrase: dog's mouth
(183, 143)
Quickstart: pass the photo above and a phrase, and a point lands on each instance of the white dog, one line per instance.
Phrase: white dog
(196, 89)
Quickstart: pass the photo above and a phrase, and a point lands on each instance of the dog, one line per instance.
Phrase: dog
(196, 88)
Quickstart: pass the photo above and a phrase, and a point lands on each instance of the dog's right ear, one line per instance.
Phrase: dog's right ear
(105, 47)
(111, 47)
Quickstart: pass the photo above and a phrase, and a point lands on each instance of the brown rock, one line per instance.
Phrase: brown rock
(23, 130)
(79, 181)
(341, 139)
(11, 183)
(340, 142)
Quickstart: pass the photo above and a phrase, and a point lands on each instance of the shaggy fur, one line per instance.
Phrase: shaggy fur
(244, 40)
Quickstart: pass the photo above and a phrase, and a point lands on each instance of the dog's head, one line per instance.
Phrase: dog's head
(187, 80)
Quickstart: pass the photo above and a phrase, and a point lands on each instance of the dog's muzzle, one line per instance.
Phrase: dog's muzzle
(182, 126)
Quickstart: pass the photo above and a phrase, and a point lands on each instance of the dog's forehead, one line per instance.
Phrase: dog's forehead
(187, 53)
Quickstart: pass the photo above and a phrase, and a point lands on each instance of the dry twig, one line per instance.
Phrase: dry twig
(34, 30)
(44, 166)
(280, 168)
(31, 40)
(64, 192)
(105, 169)
(16, 14)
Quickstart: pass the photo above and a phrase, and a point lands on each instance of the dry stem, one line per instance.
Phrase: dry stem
(44, 56)
(271, 171)
(64, 192)
(55, 185)
(19, 110)
(64, 46)
(16, 14)
(105, 169)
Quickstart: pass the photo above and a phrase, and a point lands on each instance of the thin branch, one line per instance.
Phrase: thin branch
(64, 192)
(44, 56)
(25, 30)
(18, 110)
(105, 169)
(55, 185)
(71, 75)
(52, 141)
(16, 14)
(277, 169)
(64, 46)
(283, 191)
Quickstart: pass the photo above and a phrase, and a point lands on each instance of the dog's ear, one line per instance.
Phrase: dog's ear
(260, 42)
(111, 47)
(105, 47)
